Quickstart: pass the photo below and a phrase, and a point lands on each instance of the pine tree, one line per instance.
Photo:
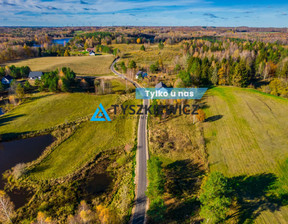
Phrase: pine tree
(27, 86)
(142, 48)
(214, 200)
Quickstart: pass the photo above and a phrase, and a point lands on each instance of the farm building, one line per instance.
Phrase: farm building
(7, 79)
(35, 75)
(90, 49)
(160, 85)
(141, 74)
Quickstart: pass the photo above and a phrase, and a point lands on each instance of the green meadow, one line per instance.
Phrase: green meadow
(88, 140)
(45, 110)
(247, 140)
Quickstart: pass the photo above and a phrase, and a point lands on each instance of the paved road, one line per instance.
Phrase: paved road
(139, 215)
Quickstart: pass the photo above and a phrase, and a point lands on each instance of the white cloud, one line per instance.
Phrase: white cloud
(112, 12)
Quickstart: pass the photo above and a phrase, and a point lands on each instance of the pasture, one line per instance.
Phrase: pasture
(247, 140)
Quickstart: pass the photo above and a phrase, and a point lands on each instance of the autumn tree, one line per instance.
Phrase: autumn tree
(201, 116)
(66, 54)
(19, 170)
(6, 208)
(221, 76)
(214, 78)
(86, 45)
(20, 93)
(138, 40)
(105, 215)
(43, 219)
(86, 215)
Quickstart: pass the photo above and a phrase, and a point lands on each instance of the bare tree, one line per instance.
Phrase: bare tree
(6, 208)
(19, 170)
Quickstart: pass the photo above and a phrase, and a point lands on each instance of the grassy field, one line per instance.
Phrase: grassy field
(247, 139)
(82, 65)
(150, 55)
(250, 135)
(120, 85)
(45, 110)
(89, 139)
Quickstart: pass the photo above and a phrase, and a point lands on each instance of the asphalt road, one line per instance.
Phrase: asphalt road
(139, 214)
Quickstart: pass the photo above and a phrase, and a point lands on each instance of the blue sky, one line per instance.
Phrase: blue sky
(149, 13)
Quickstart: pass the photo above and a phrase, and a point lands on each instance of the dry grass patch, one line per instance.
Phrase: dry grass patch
(82, 65)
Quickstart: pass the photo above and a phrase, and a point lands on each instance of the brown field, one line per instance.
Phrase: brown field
(82, 65)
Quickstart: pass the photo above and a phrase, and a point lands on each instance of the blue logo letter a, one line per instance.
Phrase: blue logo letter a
(100, 115)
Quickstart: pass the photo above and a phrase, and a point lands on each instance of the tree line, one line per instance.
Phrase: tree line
(233, 63)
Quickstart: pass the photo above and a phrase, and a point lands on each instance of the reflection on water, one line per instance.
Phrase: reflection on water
(21, 151)
(63, 41)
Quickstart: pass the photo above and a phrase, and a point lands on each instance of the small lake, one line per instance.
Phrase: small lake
(61, 41)
(21, 151)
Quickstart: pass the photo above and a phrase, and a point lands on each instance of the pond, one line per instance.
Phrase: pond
(62, 41)
(98, 183)
(21, 151)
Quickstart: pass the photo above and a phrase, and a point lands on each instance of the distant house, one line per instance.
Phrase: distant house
(141, 74)
(7, 79)
(35, 75)
(92, 53)
(144, 75)
(160, 85)
(90, 49)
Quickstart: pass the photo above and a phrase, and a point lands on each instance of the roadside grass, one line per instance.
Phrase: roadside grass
(246, 139)
(46, 110)
(88, 140)
(179, 144)
(120, 86)
(81, 65)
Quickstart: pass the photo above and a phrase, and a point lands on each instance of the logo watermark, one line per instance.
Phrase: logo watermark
(100, 114)
(170, 93)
